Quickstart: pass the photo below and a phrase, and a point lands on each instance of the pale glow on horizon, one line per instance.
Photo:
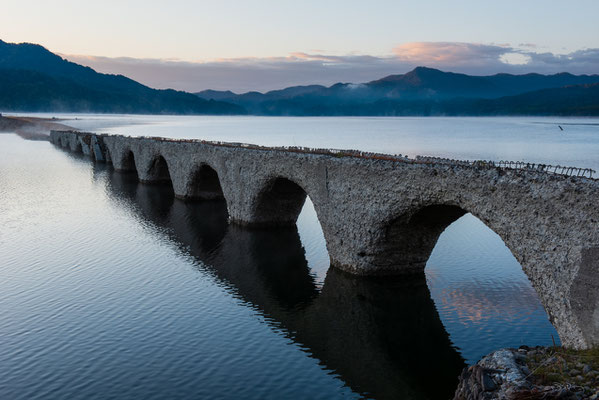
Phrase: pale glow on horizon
(263, 45)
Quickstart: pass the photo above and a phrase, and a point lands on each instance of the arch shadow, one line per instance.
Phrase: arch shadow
(279, 203)
(409, 239)
(158, 172)
(128, 162)
(205, 184)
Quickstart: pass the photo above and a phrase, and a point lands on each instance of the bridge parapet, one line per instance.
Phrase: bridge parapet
(419, 159)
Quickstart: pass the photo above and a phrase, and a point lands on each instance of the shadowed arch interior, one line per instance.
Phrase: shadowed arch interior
(410, 238)
(158, 171)
(280, 203)
(205, 184)
(128, 163)
(108, 156)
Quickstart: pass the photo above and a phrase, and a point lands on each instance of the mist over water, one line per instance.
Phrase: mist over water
(115, 289)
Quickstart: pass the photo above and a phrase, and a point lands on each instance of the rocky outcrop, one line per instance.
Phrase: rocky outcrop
(532, 373)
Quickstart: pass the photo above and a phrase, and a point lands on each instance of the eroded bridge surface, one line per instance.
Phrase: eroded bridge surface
(382, 215)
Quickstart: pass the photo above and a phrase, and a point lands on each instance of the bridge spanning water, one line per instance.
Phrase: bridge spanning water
(382, 215)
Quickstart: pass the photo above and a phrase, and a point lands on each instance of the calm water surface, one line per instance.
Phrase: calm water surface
(112, 289)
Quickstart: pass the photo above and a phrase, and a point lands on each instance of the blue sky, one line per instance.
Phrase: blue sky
(262, 45)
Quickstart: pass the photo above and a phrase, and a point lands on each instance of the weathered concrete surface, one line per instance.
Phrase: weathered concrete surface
(382, 217)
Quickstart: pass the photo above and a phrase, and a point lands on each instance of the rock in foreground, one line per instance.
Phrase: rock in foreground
(532, 373)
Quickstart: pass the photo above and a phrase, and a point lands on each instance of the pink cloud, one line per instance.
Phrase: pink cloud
(449, 53)
(300, 68)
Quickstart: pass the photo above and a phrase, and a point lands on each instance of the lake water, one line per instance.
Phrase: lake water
(113, 289)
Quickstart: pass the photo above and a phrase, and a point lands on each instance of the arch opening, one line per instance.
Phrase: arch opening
(482, 294)
(280, 203)
(108, 156)
(410, 238)
(128, 163)
(284, 203)
(159, 172)
(205, 184)
(314, 243)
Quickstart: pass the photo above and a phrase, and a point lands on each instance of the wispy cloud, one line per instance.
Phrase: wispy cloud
(449, 53)
(245, 74)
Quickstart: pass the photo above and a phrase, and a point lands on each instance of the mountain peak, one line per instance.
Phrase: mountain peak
(422, 69)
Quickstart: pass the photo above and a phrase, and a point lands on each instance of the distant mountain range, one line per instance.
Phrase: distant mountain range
(34, 79)
(427, 91)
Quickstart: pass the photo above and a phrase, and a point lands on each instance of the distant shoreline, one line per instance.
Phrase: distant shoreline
(31, 128)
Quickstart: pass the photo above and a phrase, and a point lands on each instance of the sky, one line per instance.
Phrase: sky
(263, 45)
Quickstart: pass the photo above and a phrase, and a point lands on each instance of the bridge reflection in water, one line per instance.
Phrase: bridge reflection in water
(382, 336)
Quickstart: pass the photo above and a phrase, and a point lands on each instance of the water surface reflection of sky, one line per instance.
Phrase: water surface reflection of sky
(117, 288)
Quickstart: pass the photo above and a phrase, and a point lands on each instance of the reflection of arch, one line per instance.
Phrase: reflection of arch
(205, 184)
(408, 240)
(477, 283)
(357, 327)
(280, 202)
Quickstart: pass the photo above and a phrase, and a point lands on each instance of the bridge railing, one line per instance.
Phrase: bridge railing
(520, 165)
(512, 165)
(536, 167)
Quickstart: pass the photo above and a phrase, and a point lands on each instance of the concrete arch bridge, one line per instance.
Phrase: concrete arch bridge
(382, 215)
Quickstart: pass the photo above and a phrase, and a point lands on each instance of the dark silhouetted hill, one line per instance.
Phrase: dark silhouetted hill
(578, 100)
(34, 79)
(423, 91)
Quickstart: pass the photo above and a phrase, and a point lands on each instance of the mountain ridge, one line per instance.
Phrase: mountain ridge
(34, 79)
(422, 88)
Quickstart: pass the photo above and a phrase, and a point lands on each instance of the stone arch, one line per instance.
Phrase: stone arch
(127, 163)
(158, 171)
(278, 203)
(408, 240)
(204, 184)
(108, 155)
